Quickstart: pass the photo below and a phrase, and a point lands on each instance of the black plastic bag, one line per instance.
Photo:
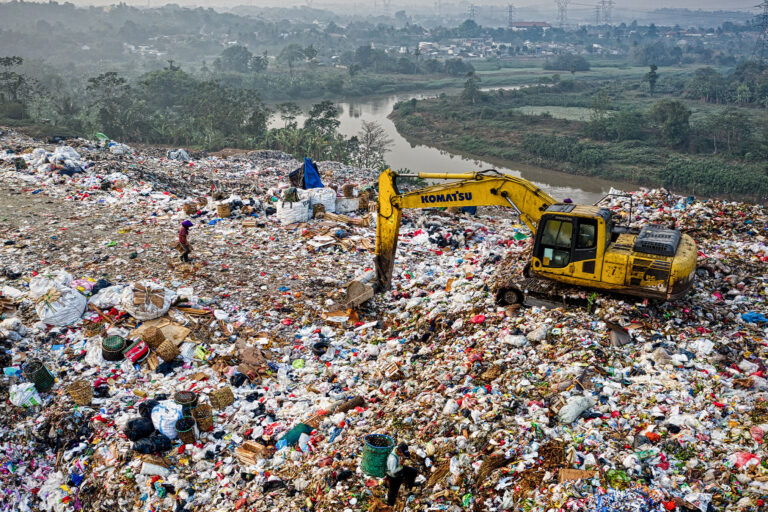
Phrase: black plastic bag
(156, 443)
(145, 408)
(139, 428)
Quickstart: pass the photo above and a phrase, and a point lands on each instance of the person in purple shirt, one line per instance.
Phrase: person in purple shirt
(185, 248)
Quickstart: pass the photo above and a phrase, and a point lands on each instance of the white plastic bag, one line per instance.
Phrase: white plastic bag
(108, 297)
(65, 153)
(146, 300)
(291, 213)
(574, 407)
(324, 196)
(164, 417)
(25, 395)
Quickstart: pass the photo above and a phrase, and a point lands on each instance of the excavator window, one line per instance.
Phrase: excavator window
(587, 238)
(556, 243)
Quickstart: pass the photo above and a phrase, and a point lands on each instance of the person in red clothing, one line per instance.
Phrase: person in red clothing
(184, 246)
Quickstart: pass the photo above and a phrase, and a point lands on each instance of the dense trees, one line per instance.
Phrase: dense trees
(471, 92)
(235, 58)
(15, 88)
(672, 118)
(746, 85)
(367, 58)
(560, 148)
(570, 63)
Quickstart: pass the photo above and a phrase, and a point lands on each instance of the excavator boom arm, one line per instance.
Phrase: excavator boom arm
(486, 188)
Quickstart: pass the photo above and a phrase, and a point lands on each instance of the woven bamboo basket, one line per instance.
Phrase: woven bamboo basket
(203, 414)
(222, 397)
(202, 201)
(223, 210)
(348, 190)
(318, 211)
(81, 392)
(189, 208)
(185, 428)
(168, 351)
(153, 337)
(187, 400)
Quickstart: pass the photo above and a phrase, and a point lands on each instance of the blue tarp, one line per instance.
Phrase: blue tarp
(311, 176)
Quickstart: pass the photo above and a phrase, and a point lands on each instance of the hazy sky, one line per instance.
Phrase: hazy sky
(639, 5)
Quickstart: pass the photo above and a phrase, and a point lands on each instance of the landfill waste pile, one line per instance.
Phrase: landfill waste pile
(245, 380)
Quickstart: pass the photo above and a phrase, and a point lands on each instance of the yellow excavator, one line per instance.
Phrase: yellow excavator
(575, 246)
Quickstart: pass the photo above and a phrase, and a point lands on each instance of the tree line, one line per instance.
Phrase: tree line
(172, 107)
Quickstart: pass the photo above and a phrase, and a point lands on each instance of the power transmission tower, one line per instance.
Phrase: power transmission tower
(562, 12)
(597, 15)
(439, 8)
(472, 11)
(386, 3)
(511, 15)
(762, 22)
(607, 6)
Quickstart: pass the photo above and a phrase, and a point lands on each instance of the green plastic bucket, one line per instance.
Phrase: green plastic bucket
(36, 372)
(376, 449)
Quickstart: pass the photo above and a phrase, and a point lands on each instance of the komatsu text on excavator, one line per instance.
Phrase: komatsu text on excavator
(574, 245)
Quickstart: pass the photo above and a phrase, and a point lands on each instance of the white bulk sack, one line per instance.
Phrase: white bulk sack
(347, 204)
(56, 303)
(40, 284)
(291, 213)
(146, 300)
(164, 417)
(324, 196)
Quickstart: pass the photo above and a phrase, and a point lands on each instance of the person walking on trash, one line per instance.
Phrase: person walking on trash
(397, 473)
(183, 244)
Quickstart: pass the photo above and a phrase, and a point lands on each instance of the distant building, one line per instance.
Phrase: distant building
(527, 25)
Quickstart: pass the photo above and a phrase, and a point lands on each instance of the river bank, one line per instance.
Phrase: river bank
(496, 128)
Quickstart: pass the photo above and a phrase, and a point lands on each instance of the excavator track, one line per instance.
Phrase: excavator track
(534, 291)
(511, 285)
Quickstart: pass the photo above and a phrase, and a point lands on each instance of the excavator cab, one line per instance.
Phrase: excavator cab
(571, 240)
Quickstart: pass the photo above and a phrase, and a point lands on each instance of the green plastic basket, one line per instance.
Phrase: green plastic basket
(113, 343)
(39, 375)
(376, 449)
